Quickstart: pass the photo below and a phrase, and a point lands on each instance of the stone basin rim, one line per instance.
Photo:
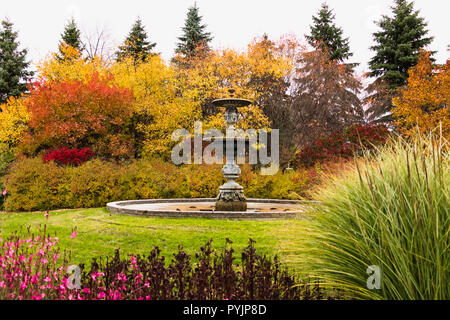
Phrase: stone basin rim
(121, 208)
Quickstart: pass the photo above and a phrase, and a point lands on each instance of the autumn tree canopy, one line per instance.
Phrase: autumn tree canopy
(79, 114)
(13, 121)
(425, 101)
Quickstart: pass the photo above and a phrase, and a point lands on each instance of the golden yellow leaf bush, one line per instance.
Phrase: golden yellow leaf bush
(14, 119)
(210, 76)
(159, 107)
(35, 185)
(424, 102)
(74, 67)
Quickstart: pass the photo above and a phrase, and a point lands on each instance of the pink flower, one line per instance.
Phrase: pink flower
(101, 295)
(4, 192)
(97, 274)
(121, 277)
(46, 214)
(74, 234)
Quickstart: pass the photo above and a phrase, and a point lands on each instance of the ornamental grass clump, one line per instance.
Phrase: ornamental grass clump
(390, 211)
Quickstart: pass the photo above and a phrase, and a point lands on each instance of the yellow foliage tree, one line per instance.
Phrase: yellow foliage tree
(14, 119)
(159, 107)
(424, 102)
(211, 76)
(73, 67)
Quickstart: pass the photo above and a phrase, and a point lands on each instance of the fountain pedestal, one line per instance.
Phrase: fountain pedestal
(231, 194)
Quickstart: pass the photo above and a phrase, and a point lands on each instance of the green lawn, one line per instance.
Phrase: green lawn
(100, 232)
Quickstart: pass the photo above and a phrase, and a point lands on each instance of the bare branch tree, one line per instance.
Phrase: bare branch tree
(99, 43)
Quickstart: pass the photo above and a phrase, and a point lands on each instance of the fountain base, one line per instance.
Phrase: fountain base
(231, 205)
(205, 208)
(231, 197)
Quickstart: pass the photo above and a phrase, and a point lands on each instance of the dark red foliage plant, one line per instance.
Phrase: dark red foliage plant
(342, 145)
(66, 156)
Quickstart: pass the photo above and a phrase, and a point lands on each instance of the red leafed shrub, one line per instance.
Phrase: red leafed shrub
(73, 157)
(342, 145)
(76, 114)
(368, 135)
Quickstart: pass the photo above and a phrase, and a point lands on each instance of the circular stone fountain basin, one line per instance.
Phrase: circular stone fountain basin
(204, 208)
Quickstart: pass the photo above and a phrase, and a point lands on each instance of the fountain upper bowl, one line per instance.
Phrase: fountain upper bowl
(231, 102)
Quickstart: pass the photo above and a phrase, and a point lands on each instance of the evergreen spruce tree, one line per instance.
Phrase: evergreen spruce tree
(396, 50)
(325, 33)
(195, 39)
(136, 44)
(14, 72)
(70, 37)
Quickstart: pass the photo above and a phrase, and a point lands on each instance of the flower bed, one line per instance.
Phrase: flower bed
(32, 267)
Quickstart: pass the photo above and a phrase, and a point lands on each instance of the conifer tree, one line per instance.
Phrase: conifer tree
(136, 44)
(70, 37)
(195, 39)
(325, 96)
(14, 72)
(396, 48)
(326, 34)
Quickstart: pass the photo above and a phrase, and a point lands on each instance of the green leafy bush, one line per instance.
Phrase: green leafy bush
(291, 185)
(34, 185)
(6, 157)
(390, 211)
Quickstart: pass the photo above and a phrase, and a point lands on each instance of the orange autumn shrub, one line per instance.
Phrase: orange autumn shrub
(77, 114)
(424, 102)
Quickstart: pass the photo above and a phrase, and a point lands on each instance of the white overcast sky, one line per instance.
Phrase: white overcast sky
(233, 23)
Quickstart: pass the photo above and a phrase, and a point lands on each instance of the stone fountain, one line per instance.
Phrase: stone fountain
(231, 194)
(230, 202)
